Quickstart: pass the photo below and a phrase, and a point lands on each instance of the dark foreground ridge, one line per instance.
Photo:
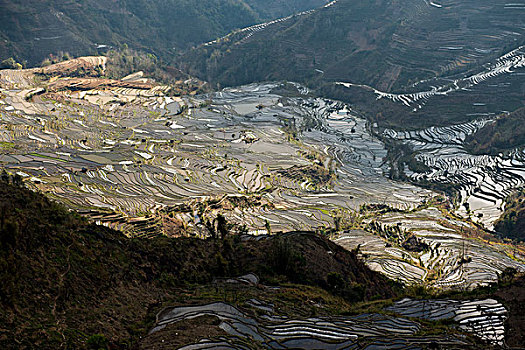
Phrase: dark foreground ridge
(64, 279)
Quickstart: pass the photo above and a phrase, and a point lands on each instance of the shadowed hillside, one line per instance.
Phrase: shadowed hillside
(64, 280)
(31, 30)
(387, 44)
(506, 133)
(69, 284)
(512, 222)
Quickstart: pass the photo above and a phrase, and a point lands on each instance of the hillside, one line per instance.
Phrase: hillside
(152, 159)
(64, 279)
(31, 30)
(388, 47)
(507, 133)
(69, 283)
(407, 64)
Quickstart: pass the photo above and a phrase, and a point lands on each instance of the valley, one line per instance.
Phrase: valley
(253, 174)
(430, 66)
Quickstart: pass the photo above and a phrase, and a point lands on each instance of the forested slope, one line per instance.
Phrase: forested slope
(30, 30)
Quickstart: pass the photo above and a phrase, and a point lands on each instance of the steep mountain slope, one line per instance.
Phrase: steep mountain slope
(387, 44)
(380, 47)
(31, 30)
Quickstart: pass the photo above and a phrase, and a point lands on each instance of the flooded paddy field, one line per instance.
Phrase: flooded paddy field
(136, 159)
(485, 318)
(398, 326)
(280, 332)
(483, 181)
(230, 143)
(447, 259)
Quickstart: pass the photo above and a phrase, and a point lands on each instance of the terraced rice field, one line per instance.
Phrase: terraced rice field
(511, 62)
(366, 331)
(143, 157)
(244, 34)
(483, 181)
(451, 261)
(399, 329)
(484, 318)
(146, 163)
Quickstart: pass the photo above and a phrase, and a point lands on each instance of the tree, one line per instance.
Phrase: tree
(335, 282)
(17, 180)
(4, 176)
(10, 63)
(46, 62)
(222, 226)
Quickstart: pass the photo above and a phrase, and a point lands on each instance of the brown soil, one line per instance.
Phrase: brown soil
(184, 332)
(95, 83)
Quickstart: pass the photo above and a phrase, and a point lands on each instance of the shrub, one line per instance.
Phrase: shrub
(285, 260)
(97, 342)
(221, 265)
(335, 281)
(9, 63)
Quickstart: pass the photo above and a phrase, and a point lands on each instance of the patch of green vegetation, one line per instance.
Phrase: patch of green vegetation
(376, 209)
(7, 145)
(47, 157)
(313, 173)
(398, 236)
(97, 342)
(10, 63)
